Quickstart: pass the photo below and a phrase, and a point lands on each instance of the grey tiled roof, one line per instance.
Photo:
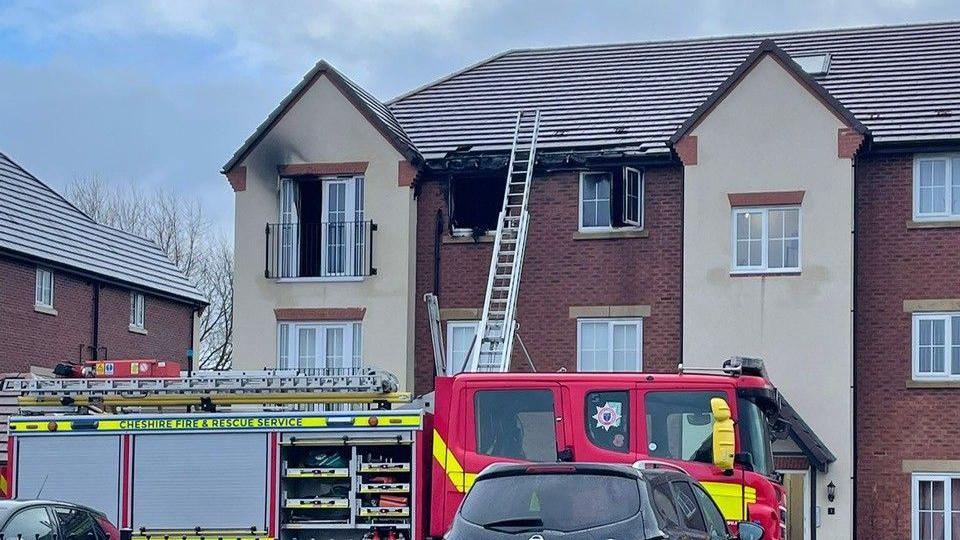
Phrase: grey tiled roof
(37, 222)
(902, 82)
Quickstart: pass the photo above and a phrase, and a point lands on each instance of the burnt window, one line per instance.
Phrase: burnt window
(611, 198)
(475, 203)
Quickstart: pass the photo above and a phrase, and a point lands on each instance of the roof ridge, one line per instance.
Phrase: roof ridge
(701, 39)
(47, 187)
(727, 37)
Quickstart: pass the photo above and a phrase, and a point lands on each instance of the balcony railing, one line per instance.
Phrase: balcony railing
(340, 249)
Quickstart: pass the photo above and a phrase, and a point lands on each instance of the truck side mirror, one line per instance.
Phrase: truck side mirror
(723, 438)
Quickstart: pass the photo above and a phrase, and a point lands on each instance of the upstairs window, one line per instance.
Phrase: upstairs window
(611, 199)
(766, 239)
(475, 203)
(936, 345)
(936, 187)
(44, 292)
(137, 309)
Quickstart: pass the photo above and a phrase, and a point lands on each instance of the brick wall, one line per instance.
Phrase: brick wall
(559, 272)
(29, 338)
(893, 422)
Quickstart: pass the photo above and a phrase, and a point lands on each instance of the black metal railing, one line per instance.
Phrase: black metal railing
(333, 249)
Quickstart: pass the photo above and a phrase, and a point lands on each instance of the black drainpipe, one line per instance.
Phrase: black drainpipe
(190, 352)
(96, 320)
(813, 502)
(856, 333)
(437, 239)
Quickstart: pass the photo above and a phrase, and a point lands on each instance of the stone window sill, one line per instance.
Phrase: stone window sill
(611, 234)
(46, 310)
(945, 383)
(484, 239)
(937, 224)
(137, 330)
(765, 274)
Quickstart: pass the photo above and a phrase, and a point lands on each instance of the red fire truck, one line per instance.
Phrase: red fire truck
(242, 464)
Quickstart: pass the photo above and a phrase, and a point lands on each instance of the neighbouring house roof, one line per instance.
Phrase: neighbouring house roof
(768, 48)
(38, 223)
(898, 81)
(370, 107)
(805, 438)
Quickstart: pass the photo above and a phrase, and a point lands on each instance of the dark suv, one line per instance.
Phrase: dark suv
(589, 501)
(52, 520)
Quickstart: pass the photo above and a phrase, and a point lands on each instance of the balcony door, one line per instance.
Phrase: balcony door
(321, 231)
(339, 231)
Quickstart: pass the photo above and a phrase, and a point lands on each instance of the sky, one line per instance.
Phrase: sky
(160, 93)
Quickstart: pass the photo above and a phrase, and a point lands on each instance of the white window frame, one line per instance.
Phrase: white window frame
(611, 322)
(451, 327)
(946, 317)
(946, 478)
(949, 212)
(764, 268)
(44, 275)
(638, 223)
(629, 224)
(580, 201)
(288, 335)
(138, 308)
(288, 216)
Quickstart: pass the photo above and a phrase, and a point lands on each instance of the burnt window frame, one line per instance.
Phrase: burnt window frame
(618, 199)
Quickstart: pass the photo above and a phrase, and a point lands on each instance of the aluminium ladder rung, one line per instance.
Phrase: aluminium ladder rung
(243, 382)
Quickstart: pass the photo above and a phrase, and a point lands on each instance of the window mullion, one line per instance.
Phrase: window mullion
(947, 510)
(764, 238)
(610, 330)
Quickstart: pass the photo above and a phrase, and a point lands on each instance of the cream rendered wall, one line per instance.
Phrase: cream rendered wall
(771, 134)
(324, 127)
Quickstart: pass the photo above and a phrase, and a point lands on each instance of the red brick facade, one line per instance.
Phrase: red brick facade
(30, 338)
(894, 422)
(561, 271)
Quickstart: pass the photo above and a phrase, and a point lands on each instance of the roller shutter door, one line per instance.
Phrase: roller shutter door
(207, 480)
(83, 469)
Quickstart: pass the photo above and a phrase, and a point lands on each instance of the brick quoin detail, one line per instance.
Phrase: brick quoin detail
(615, 272)
(848, 143)
(28, 338)
(406, 174)
(320, 314)
(686, 149)
(894, 264)
(238, 178)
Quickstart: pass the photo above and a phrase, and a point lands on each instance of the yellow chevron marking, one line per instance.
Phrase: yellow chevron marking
(728, 497)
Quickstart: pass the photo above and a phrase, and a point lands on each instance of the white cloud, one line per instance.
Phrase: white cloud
(287, 34)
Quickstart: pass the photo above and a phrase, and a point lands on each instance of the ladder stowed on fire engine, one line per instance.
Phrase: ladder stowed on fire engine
(207, 390)
(495, 333)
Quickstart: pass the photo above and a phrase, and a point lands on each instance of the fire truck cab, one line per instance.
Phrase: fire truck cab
(664, 420)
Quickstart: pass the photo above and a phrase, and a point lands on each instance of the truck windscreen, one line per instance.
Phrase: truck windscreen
(755, 436)
(680, 426)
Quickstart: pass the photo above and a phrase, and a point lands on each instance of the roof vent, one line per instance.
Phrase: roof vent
(814, 64)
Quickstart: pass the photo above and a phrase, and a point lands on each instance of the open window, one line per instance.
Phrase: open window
(611, 199)
(475, 203)
(321, 231)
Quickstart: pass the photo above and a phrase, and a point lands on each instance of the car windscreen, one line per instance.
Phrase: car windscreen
(558, 502)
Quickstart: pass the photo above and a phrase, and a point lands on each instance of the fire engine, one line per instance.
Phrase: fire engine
(235, 455)
(341, 454)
